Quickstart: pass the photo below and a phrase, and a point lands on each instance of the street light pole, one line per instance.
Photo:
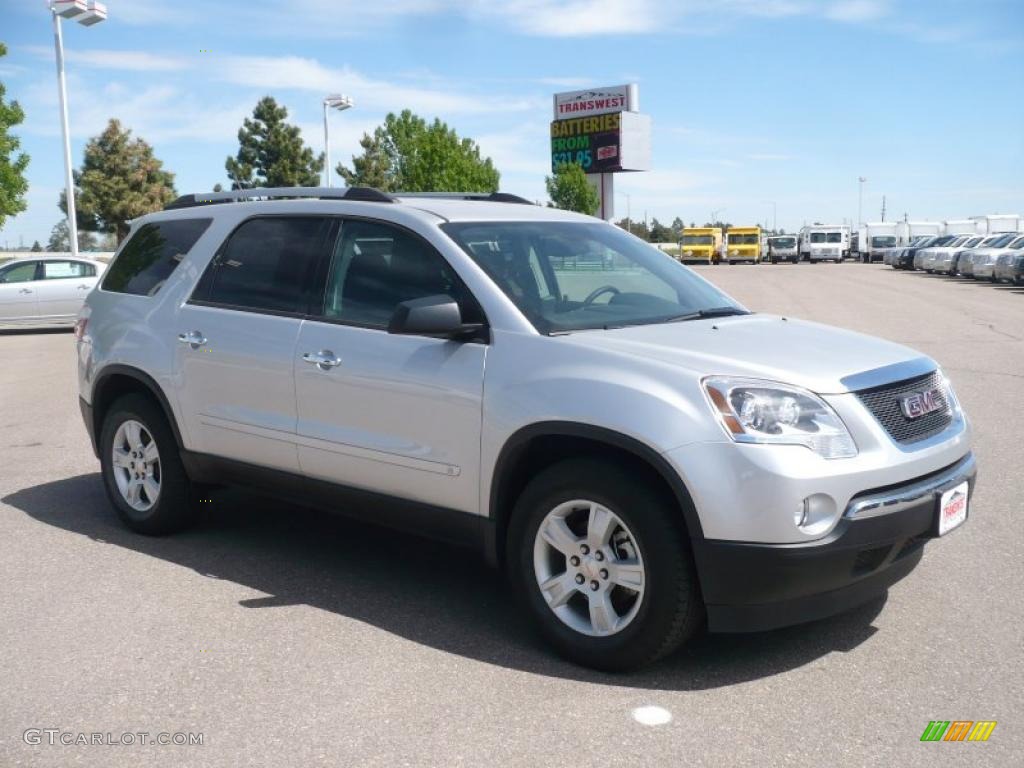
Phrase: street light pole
(860, 199)
(69, 179)
(86, 14)
(340, 103)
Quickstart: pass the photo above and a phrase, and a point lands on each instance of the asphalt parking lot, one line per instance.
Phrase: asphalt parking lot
(287, 637)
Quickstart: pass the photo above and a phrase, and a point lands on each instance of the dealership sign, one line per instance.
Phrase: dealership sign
(597, 101)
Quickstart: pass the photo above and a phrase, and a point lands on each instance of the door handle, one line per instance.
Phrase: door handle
(83, 287)
(324, 359)
(194, 339)
(24, 290)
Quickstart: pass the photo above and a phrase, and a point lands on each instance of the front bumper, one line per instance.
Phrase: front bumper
(879, 540)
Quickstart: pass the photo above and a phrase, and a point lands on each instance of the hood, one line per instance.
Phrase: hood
(814, 356)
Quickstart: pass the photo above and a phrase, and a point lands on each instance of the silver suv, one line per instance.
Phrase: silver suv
(640, 453)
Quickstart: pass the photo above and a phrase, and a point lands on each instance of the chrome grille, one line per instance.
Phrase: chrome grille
(884, 404)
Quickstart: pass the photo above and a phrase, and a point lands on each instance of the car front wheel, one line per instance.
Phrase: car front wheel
(602, 563)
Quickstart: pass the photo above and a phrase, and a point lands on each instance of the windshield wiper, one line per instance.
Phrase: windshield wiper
(702, 314)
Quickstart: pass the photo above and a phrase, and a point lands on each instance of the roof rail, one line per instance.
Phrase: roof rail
(363, 194)
(490, 197)
(366, 194)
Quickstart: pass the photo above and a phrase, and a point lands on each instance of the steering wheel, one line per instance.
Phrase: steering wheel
(598, 292)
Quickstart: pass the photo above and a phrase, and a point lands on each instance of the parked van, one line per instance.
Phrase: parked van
(825, 242)
(743, 244)
(701, 245)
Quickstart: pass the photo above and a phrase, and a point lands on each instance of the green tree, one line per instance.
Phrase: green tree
(13, 183)
(271, 152)
(59, 240)
(570, 190)
(660, 233)
(634, 227)
(678, 225)
(408, 154)
(36, 247)
(120, 180)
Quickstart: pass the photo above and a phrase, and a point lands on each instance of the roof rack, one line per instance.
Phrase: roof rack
(489, 197)
(364, 194)
(367, 194)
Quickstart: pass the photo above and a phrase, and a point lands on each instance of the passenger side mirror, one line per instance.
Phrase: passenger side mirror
(436, 316)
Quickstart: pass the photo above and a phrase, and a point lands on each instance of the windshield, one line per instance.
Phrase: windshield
(568, 276)
(1018, 243)
(783, 242)
(1000, 241)
(817, 237)
(743, 239)
(883, 241)
(698, 240)
(834, 237)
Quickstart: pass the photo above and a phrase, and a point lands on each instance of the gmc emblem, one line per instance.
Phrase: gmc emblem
(917, 404)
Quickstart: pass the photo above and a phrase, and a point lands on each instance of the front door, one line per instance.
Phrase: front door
(18, 301)
(236, 341)
(395, 414)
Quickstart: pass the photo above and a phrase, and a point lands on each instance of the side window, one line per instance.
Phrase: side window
(56, 270)
(151, 255)
(19, 273)
(267, 264)
(375, 267)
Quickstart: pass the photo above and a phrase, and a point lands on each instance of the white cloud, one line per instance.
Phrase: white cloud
(769, 156)
(577, 18)
(857, 10)
(130, 61)
(296, 73)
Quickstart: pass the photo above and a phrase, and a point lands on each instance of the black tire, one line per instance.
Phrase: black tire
(671, 609)
(175, 508)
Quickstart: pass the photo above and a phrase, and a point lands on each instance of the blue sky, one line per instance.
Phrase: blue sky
(752, 101)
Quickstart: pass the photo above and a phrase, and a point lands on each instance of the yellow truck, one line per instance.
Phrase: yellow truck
(701, 245)
(743, 244)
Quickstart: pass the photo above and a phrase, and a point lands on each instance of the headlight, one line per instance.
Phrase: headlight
(734, 253)
(755, 411)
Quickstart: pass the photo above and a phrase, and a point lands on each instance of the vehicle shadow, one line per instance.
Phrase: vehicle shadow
(428, 592)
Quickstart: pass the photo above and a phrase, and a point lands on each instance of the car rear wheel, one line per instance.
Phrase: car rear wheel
(603, 565)
(142, 470)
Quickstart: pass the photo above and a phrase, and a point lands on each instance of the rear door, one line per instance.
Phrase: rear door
(395, 414)
(18, 301)
(62, 287)
(237, 340)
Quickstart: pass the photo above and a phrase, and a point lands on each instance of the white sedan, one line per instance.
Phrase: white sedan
(46, 291)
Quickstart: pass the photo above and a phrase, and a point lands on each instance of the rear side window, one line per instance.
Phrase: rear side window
(57, 270)
(151, 255)
(267, 264)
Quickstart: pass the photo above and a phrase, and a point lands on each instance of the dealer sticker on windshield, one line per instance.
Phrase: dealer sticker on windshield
(952, 508)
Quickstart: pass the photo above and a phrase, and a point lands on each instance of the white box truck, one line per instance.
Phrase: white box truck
(873, 237)
(1000, 222)
(825, 242)
(961, 227)
(908, 230)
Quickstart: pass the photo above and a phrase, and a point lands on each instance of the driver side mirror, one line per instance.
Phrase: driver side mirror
(435, 316)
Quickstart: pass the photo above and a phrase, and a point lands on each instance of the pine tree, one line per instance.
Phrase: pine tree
(271, 152)
(120, 180)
